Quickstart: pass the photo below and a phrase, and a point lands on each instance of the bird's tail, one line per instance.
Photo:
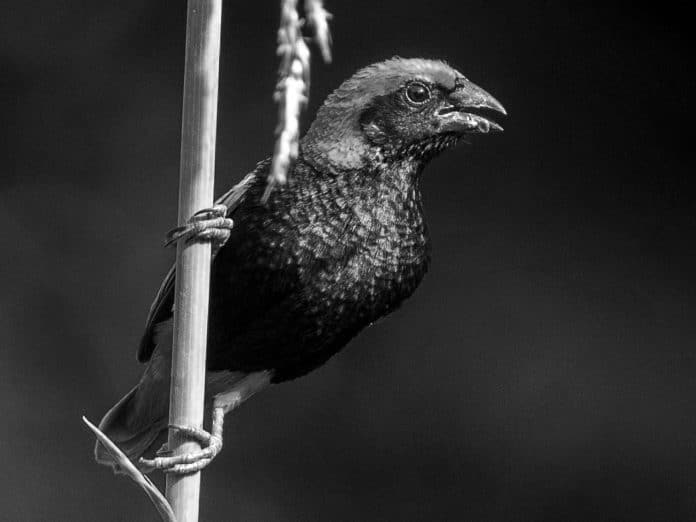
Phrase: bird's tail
(135, 424)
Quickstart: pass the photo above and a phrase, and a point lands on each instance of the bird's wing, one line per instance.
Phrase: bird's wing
(161, 308)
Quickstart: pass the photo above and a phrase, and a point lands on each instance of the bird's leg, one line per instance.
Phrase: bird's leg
(211, 442)
(209, 224)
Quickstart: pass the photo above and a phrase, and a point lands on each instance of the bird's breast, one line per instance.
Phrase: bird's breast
(372, 260)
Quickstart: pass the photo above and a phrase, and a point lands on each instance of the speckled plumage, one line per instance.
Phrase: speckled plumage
(342, 244)
(326, 257)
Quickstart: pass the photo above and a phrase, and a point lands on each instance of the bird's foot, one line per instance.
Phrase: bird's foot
(187, 462)
(209, 224)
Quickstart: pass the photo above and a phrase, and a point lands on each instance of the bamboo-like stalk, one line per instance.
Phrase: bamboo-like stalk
(196, 178)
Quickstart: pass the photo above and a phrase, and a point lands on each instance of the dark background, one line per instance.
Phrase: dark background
(544, 370)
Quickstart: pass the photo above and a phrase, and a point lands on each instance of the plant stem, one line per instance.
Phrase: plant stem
(196, 179)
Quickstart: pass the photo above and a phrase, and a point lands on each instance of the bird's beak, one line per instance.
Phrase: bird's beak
(469, 110)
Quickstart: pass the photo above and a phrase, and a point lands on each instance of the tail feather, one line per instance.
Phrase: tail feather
(139, 420)
(133, 432)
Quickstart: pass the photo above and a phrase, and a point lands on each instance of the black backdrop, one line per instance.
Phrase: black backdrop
(543, 371)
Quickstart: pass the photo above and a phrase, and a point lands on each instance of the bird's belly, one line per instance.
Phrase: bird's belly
(335, 311)
(350, 297)
(289, 310)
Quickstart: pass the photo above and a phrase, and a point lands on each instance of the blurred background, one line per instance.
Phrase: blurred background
(545, 370)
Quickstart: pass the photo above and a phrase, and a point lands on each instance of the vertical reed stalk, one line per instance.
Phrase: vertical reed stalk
(198, 131)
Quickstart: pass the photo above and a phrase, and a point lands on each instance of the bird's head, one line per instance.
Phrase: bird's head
(400, 109)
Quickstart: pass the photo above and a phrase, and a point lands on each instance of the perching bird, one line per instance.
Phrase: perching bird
(342, 244)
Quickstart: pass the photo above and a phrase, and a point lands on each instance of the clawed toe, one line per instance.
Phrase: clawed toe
(198, 434)
(187, 462)
(212, 212)
(209, 224)
(164, 451)
(210, 229)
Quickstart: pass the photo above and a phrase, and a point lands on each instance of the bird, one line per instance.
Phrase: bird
(296, 276)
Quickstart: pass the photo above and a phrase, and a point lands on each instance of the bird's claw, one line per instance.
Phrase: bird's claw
(164, 451)
(187, 462)
(209, 224)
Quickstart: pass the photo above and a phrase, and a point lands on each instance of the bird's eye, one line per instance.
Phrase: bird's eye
(417, 93)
